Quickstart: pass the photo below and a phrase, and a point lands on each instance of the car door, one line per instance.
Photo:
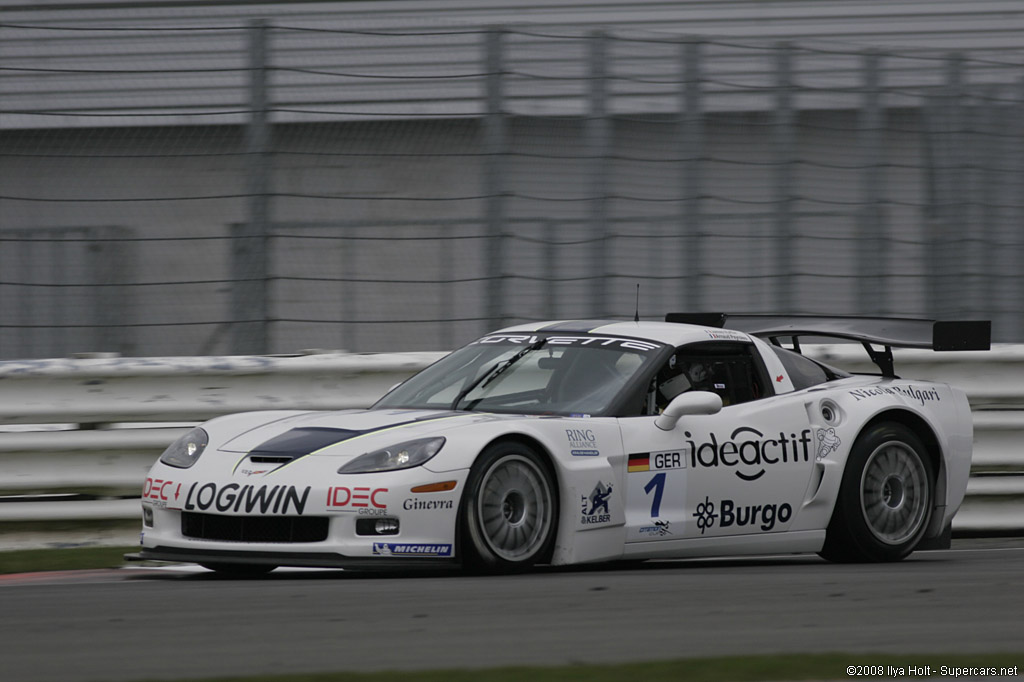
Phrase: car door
(742, 470)
(749, 467)
(657, 469)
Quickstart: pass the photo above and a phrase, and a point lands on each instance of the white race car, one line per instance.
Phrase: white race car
(588, 441)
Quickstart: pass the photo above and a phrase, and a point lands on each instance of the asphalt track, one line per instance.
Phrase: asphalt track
(134, 624)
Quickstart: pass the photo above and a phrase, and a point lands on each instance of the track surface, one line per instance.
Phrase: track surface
(159, 624)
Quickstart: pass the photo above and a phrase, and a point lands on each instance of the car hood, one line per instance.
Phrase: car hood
(317, 432)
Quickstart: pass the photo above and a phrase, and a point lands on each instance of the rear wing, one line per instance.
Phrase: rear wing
(889, 332)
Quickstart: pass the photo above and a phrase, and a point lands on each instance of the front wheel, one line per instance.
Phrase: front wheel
(510, 509)
(885, 499)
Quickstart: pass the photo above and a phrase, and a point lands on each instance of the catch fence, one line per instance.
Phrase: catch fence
(179, 186)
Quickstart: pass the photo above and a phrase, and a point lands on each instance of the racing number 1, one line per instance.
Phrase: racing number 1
(658, 485)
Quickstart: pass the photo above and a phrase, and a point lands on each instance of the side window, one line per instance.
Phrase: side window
(802, 372)
(732, 370)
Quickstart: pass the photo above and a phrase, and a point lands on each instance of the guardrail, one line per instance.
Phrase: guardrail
(81, 433)
(78, 435)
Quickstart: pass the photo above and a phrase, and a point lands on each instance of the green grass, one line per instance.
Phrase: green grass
(732, 669)
(30, 560)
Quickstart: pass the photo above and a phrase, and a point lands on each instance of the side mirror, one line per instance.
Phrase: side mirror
(691, 402)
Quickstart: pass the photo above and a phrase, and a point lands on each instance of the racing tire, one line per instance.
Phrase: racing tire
(238, 570)
(885, 499)
(509, 514)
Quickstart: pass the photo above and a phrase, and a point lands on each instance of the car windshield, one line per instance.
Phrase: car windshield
(528, 374)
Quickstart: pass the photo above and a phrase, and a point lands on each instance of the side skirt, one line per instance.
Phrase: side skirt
(793, 542)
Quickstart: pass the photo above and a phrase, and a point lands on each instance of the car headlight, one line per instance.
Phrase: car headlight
(406, 455)
(185, 451)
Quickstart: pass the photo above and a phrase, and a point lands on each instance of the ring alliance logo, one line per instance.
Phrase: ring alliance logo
(765, 516)
(752, 452)
(582, 442)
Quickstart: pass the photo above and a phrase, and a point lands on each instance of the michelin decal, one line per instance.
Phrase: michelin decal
(396, 549)
(828, 442)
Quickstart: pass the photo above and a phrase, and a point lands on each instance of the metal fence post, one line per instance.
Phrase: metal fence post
(955, 227)
(691, 122)
(350, 290)
(943, 288)
(112, 264)
(446, 264)
(872, 252)
(548, 230)
(1016, 186)
(60, 307)
(494, 160)
(988, 251)
(250, 307)
(26, 337)
(785, 154)
(598, 145)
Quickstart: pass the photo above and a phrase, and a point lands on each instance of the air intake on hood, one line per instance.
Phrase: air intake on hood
(298, 443)
(271, 459)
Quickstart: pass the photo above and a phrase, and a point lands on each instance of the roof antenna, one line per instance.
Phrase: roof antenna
(636, 317)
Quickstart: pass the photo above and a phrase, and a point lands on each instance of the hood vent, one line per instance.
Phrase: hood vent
(271, 459)
(305, 440)
(299, 442)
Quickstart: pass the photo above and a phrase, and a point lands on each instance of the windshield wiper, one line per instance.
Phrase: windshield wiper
(496, 371)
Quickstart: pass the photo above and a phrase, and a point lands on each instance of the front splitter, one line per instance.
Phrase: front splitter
(300, 559)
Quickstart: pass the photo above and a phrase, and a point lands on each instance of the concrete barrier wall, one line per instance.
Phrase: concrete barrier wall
(78, 435)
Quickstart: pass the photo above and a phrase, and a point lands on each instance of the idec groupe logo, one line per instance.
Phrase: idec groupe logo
(366, 501)
(160, 492)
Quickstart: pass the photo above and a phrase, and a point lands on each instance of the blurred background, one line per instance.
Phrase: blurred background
(182, 178)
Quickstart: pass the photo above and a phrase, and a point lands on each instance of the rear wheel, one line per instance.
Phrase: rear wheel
(510, 509)
(885, 499)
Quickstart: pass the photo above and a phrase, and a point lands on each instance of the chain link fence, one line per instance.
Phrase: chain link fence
(193, 189)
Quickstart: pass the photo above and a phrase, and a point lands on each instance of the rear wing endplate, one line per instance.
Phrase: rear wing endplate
(890, 332)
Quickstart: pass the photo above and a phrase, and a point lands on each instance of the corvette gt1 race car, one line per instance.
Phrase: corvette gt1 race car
(587, 441)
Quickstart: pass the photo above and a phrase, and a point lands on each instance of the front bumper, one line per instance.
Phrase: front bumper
(357, 520)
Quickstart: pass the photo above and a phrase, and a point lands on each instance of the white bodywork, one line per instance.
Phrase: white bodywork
(757, 477)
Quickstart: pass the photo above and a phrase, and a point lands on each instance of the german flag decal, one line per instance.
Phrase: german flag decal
(639, 462)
